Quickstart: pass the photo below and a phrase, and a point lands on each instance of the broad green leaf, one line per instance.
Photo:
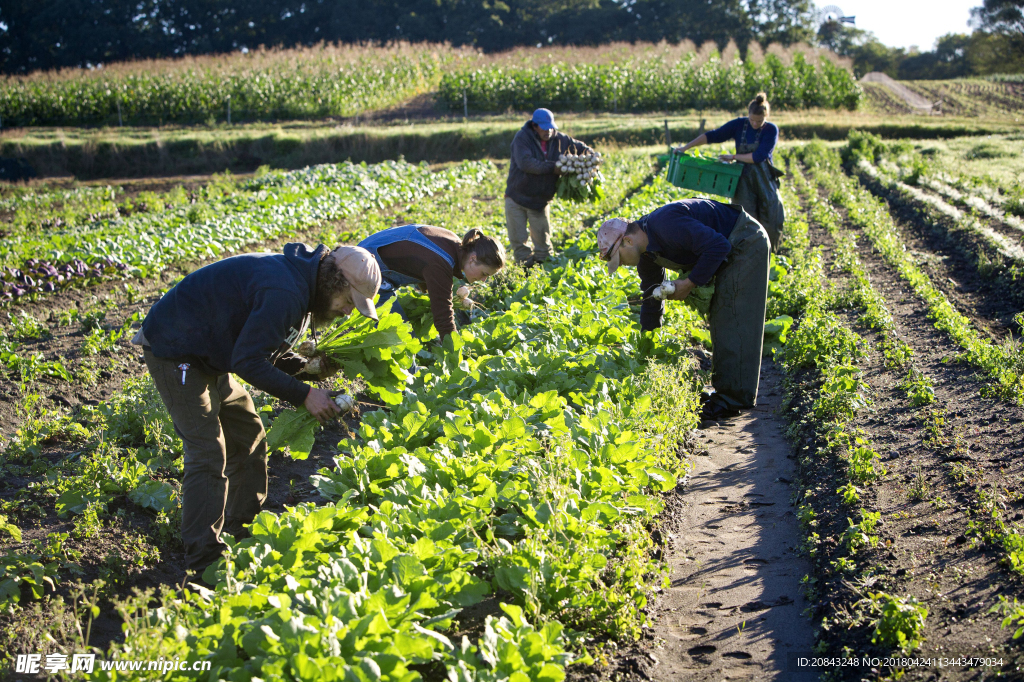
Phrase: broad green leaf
(293, 429)
(155, 495)
(407, 568)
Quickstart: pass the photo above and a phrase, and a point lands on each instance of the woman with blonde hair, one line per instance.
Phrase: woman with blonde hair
(430, 257)
(758, 189)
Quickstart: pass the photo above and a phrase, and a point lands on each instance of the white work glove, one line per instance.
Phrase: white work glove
(664, 290)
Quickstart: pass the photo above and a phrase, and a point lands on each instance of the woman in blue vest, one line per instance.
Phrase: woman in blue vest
(430, 257)
(758, 188)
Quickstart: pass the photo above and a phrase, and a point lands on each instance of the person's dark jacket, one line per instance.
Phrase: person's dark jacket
(240, 315)
(531, 175)
(690, 233)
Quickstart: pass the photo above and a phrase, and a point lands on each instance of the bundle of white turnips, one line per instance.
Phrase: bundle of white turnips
(581, 178)
(461, 300)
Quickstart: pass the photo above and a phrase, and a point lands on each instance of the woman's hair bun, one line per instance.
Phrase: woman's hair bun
(759, 105)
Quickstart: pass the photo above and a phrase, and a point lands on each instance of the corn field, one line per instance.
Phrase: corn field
(653, 84)
(270, 85)
(342, 81)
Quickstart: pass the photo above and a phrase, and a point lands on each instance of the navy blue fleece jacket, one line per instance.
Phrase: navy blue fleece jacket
(734, 128)
(691, 232)
(238, 315)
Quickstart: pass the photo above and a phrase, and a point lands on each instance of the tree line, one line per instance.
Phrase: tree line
(996, 45)
(47, 34)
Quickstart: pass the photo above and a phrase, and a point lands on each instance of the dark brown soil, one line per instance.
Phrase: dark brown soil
(937, 479)
(959, 263)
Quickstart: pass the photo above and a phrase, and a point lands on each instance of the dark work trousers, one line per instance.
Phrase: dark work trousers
(225, 481)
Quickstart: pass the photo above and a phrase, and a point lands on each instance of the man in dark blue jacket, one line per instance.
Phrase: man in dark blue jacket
(532, 183)
(710, 240)
(242, 315)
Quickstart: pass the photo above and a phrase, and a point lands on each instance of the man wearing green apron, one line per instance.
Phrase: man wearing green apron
(758, 188)
(711, 240)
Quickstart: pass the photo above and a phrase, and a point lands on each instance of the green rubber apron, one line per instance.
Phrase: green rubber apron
(736, 318)
(758, 189)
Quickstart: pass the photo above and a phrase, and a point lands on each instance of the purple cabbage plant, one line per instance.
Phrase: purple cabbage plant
(41, 276)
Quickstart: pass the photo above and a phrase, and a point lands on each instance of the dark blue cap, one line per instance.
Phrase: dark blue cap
(545, 119)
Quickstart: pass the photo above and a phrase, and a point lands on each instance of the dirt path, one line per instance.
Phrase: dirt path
(735, 607)
(919, 103)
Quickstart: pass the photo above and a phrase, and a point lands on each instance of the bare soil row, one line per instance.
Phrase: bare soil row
(945, 462)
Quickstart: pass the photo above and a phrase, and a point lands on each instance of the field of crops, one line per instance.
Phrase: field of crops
(277, 84)
(646, 83)
(518, 509)
(960, 97)
(344, 82)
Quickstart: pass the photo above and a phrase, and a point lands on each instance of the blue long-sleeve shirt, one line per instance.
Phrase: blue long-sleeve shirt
(734, 128)
(691, 232)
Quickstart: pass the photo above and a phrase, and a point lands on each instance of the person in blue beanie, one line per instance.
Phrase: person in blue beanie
(532, 181)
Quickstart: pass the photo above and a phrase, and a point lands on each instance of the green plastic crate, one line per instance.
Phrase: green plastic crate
(704, 175)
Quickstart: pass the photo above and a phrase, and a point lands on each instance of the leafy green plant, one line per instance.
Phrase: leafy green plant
(26, 326)
(88, 523)
(898, 621)
(841, 394)
(106, 341)
(20, 573)
(1013, 614)
(862, 533)
(379, 353)
(850, 494)
(896, 353)
(9, 528)
(919, 488)
(919, 389)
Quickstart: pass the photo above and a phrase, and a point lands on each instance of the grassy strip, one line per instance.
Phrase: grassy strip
(1002, 363)
(143, 152)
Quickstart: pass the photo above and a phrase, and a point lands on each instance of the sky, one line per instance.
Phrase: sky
(902, 23)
